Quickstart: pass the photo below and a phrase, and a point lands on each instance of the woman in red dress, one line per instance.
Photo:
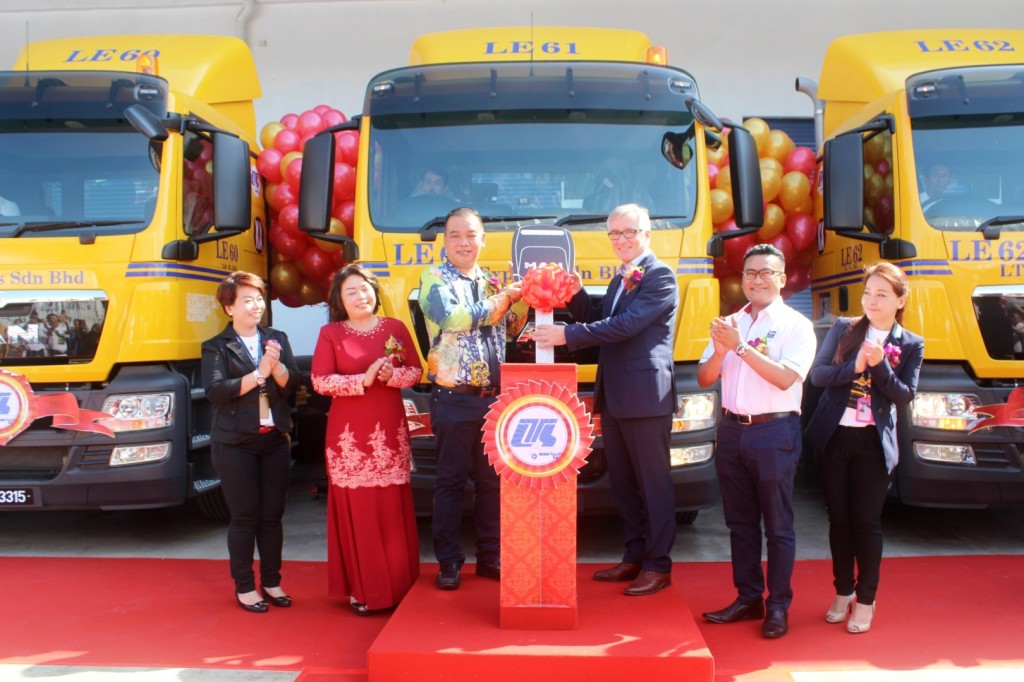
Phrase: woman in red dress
(362, 362)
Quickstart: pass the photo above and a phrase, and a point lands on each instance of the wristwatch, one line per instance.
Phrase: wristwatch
(741, 349)
(258, 377)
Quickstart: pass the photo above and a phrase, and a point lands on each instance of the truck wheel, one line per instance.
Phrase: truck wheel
(213, 506)
(686, 518)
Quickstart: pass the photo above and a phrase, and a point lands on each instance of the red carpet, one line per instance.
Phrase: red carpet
(933, 612)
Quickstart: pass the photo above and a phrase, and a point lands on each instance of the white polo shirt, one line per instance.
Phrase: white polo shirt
(790, 341)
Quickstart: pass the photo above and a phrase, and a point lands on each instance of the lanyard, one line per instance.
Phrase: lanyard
(259, 349)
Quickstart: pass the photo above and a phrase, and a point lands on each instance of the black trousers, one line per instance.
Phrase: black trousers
(254, 476)
(458, 423)
(855, 481)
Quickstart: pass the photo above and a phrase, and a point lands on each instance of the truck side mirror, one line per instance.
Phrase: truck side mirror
(745, 171)
(843, 171)
(316, 184)
(232, 201)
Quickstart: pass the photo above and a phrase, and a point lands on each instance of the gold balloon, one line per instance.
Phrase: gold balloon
(806, 207)
(774, 222)
(268, 133)
(721, 206)
(309, 293)
(796, 189)
(335, 227)
(771, 183)
(770, 164)
(287, 159)
(285, 278)
(779, 145)
(761, 132)
(874, 149)
(732, 290)
(724, 180)
(717, 156)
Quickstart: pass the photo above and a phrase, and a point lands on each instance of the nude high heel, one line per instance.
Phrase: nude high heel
(840, 608)
(860, 620)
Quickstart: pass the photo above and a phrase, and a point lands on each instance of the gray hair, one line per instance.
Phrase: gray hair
(640, 216)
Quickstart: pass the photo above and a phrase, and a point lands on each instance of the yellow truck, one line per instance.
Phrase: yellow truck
(924, 166)
(542, 126)
(129, 192)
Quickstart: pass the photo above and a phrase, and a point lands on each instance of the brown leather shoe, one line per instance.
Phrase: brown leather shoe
(619, 573)
(648, 582)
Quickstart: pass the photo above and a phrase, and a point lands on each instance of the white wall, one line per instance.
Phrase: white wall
(745, 54)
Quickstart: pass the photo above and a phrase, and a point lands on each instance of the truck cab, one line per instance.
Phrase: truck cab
(537, 127)
(924, 166)
(128, 195)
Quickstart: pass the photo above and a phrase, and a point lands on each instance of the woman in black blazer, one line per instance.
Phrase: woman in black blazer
(869, 367)
(249, 373)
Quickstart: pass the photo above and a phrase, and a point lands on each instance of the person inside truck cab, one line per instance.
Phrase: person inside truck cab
(8, 207)
(935, 184)
(434, 183)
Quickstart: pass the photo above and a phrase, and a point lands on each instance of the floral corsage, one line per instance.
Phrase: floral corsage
(493, 286)
(759, 344)
(395, 349)
(632, 275)
(892, 354)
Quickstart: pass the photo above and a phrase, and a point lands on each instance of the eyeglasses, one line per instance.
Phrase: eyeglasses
(625, 234)
(765, 274)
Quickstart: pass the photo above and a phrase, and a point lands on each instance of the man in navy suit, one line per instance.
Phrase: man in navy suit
(634, 394)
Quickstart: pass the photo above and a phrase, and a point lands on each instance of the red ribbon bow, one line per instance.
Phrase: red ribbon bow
(547, 287)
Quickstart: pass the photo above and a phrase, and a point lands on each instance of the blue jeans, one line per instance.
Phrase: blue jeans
(756, 467)
(458, 422)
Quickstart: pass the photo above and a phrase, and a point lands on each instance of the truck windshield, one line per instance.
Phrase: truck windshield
(968, 133)
(97, 178)
(537, 142)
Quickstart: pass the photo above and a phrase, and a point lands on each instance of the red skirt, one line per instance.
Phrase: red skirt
(373, 552)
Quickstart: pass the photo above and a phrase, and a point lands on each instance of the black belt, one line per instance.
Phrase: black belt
(748, 419)
(478, 391)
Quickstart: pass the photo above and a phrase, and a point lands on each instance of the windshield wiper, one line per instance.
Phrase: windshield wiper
(53, 226)
(990, 227)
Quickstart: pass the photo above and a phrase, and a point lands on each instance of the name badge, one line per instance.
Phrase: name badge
(864, 410)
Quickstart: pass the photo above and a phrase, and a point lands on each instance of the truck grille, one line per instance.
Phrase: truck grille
(31, 463)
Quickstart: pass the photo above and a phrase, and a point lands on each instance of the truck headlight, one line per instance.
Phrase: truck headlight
(693, 454)
(695, 411)
(127, 455)
(947, 411)
(138, 412)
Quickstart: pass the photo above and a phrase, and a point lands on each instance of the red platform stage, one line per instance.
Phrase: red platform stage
(436, 635)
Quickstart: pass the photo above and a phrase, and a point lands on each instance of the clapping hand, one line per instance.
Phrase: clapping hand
(873, 352)
(386, 371)
(373, 371)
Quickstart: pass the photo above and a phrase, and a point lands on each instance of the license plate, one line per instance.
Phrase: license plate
(16, 497)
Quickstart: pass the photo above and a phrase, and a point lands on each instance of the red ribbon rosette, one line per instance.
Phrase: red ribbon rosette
(547, 287)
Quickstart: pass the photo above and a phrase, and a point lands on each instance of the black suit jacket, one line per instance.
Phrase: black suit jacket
(890, 388)
(236, 418)
(635, 375)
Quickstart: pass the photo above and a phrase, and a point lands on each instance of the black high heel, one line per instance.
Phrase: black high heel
(280, 602)
(258, 607)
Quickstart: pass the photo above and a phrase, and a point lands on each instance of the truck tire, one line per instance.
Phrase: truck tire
(686, 518)
(213, 506)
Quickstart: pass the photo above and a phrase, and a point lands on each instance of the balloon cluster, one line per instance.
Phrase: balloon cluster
(878, 183)
(788, 175)
(547, 287)
(302, 267)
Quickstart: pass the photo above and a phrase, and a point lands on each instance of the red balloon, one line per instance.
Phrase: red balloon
(309, 123)
(290, 120)
(293, 173)
(287, 140)
(803, 160)
(288, 219)
(321, 108)
(316, 265)
(802, 230)
(736, 248)
(345, 212)
(883, 167)
(885, 214)
(281, 195)
(783, 244)
(333, 117)
(798, 277)
(269, 164)
(344, 182)
(287, 245)
(346, 147)
(712, 173)
(290, 301)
